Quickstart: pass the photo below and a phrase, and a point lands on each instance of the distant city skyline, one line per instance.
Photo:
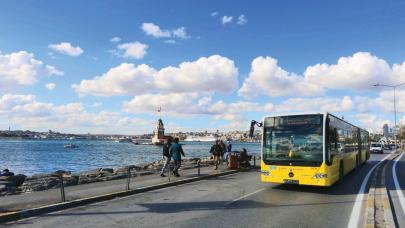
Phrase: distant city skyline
(106, 67)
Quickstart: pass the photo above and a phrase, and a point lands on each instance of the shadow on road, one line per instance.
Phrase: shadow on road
(166, 208)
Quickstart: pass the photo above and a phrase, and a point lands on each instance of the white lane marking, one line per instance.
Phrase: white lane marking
(397, 186)
(355, 215)
(244, 196)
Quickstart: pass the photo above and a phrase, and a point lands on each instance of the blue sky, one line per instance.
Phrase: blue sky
(210, 65)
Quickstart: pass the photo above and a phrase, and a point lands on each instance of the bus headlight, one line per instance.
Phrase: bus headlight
(266, 172)
(320, 175)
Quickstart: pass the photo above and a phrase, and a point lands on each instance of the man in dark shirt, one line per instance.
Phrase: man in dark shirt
(166, 156)
(176, 151)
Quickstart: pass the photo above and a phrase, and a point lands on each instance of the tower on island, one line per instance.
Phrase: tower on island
(159, 137)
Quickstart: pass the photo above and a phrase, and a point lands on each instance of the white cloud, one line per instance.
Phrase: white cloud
(372, 123)
(242, 19)
(97, 104)
(50, 86)
(26, 111)
(191, 104)
(212, 74)
(134, 50)
(268, 78)
(170, 41)
(115, 39)
(172, 103)
(321, 104)
(180, 33)
(154, 30)
(357, 72)
(21, 68)
(227, 19)
(53, 71)
(66, 48)
(214, 14)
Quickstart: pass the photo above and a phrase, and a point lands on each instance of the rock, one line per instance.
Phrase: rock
(4, 178)
(107, 170)
(3, 187)
(40, 184)
(7, 183)
(18, 179)
(61, 172)
(72, 180)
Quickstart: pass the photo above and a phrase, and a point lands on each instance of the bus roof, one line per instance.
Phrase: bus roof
(312, 113)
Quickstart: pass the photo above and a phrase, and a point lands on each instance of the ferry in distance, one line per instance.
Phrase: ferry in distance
(123, 140)
(207, 138)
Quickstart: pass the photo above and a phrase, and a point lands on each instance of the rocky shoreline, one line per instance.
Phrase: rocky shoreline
(18, 184)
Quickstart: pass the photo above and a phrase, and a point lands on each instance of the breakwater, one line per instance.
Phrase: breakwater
(20, 183)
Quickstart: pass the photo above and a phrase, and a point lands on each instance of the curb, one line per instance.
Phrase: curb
(17, 215)
(378, 208)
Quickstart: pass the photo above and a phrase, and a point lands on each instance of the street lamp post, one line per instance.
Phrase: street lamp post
(394, 87)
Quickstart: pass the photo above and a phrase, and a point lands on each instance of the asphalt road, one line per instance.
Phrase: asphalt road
(239, 200)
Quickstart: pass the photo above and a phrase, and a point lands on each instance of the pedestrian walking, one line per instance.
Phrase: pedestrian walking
(176, 151)
(216, 153)
(228, 152)
(166, 156)
(223, 150)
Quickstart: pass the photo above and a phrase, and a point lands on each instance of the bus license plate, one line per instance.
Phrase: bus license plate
(287, 181)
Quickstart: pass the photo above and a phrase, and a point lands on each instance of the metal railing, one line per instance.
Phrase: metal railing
(70, 187)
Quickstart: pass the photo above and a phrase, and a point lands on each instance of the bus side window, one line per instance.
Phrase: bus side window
(341, 141)
(332, 140)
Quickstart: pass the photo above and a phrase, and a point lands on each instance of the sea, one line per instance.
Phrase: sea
(31, 157)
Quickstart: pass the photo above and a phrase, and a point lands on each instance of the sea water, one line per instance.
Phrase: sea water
(45, 156)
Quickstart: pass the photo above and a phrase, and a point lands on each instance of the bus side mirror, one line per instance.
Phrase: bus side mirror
(252, 127)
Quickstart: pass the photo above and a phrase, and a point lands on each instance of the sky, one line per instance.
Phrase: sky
(107, 66)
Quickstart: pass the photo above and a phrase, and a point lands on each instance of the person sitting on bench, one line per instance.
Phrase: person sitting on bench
(244, 158)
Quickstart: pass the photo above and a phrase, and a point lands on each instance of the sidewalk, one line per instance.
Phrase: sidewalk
(42, 198)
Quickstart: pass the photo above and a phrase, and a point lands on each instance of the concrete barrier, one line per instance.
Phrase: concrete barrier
(378, 209)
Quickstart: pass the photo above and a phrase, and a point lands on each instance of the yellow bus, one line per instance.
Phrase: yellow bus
(311, 149)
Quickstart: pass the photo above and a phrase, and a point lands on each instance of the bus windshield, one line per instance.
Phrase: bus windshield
(293, 139)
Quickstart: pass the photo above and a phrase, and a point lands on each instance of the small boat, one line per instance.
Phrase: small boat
(70, 146)
(124, 140)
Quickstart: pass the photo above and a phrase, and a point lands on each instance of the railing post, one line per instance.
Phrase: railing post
(128, 177)
(198, 167)
(62, 189)
(254, 161)
(170, 172)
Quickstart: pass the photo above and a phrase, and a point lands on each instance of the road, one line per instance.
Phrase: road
(238, 200)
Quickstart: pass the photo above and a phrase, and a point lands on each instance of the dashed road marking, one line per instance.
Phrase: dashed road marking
(244, 196)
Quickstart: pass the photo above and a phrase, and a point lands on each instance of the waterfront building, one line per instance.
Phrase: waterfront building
(159, 137)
